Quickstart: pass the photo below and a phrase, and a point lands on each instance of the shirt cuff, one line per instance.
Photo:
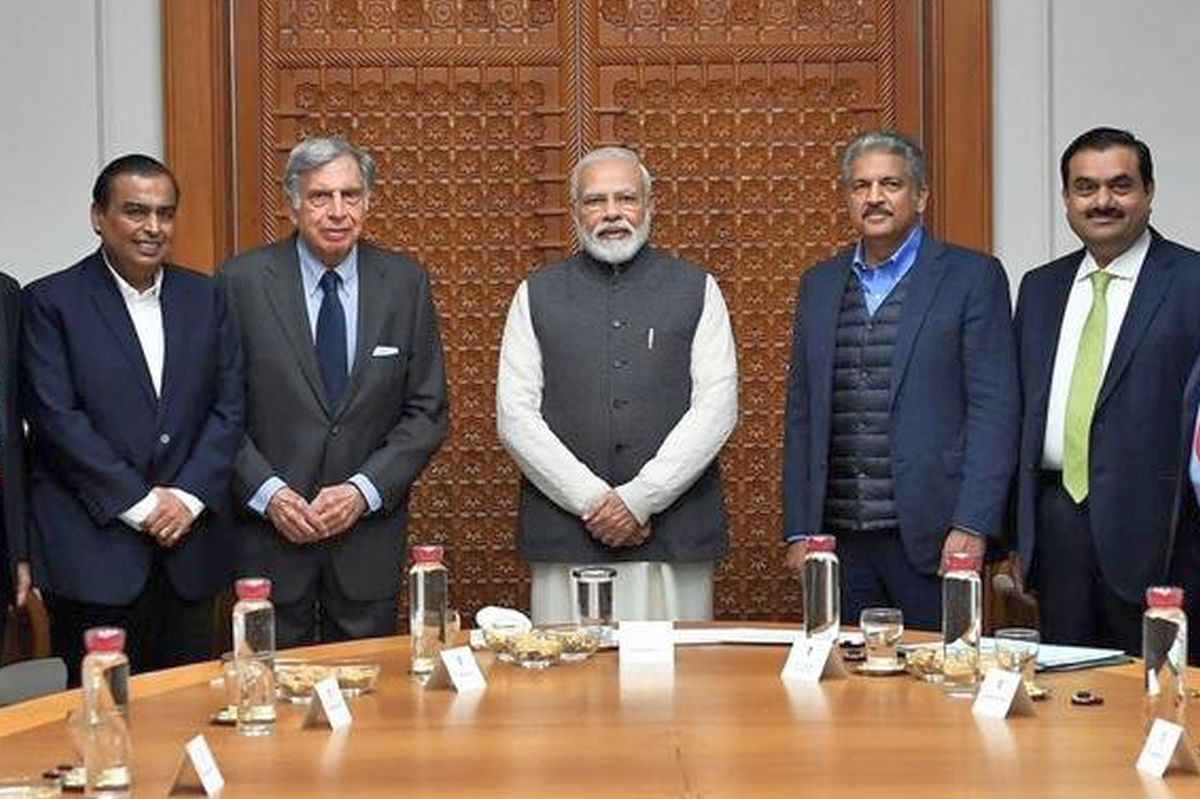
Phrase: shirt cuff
(966, 529)
(794, 537)
(636, 500)
(135, 515)
(190, 501)
(265, 493)
(368, 490)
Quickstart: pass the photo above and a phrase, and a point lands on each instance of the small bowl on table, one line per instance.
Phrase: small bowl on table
(578, 643)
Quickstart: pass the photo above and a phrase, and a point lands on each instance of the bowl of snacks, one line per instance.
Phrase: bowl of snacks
(578, 643)
(294, 679)
(536, 649)
(356, 677)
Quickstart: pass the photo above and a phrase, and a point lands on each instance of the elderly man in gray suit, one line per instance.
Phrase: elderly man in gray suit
(346, 402)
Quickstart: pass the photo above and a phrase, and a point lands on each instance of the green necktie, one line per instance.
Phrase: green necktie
(1085, 387)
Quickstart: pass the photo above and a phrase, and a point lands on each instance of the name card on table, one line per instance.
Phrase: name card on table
(457, 668)
(328, 707)
(1002, 694)
(1167, 746)
(197, 770)
(644, 643)
(813, 661)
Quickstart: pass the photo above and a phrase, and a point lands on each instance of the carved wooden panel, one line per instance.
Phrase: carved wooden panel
(477, 109)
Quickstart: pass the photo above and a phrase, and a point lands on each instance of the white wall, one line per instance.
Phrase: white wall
(1063, 66)
(80, 83)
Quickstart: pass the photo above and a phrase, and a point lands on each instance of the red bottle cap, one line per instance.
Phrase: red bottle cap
(821, 543)
(104, 639)
(1164, 596)
(253, 588)
(963, 562)
(427, 554)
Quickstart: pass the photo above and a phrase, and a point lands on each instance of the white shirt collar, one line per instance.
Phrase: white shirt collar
(1124, 267)
(128, 292)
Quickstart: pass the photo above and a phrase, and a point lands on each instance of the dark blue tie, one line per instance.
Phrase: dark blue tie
(331, 339)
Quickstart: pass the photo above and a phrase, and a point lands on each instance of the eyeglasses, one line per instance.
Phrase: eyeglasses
(352, 198)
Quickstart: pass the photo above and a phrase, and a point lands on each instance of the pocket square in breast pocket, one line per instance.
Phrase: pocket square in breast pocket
(385, 351)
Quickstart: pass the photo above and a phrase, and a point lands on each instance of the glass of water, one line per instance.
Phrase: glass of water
(1017, 650)
(882, 628)
(593, 589)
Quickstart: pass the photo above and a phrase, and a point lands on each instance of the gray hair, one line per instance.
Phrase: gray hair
(888, 141)
(315, 153)
(645, 181)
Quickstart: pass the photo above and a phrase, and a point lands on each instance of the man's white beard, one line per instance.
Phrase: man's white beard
(620, 250)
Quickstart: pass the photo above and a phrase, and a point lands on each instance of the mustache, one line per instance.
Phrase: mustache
(613, 227)
(1105, 213)
(875, 209)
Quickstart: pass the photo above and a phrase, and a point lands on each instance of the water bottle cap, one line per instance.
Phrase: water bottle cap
(963, 562)
(427, 554)
(1164, 596)
(104, 639)
(253, 588)
(821, 543)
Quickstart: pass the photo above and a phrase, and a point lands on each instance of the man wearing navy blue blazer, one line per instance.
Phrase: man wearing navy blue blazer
(132, 387)
(1185, 548)
(14, 581)
(902, 409)
(1106, 338)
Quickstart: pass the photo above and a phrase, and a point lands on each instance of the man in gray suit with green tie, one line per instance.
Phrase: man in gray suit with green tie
(346, 402)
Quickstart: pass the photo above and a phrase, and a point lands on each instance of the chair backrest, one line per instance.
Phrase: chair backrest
(30, 679)
(27, 633)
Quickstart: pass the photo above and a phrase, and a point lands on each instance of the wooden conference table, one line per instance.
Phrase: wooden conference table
(724, 725)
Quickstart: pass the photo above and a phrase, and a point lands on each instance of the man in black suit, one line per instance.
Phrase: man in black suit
(1106, 337)
(132, 387)
(14, 554)
(346, 402)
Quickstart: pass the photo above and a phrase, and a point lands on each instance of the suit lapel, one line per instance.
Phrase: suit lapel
(1152, 283)
(372, 312)
(1046, 327)
(285, 295)
(107, 299)
(924, 277)
(175, 327)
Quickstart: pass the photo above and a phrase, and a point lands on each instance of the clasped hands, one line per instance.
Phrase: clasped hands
(609, 521)
(334, 511)
(170, 520)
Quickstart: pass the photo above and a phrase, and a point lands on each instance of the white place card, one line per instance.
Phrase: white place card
(463, 669)
(328, 707)
(1002, 694)
(1167, 746)
(646, 642)
(813, 661)
(197, 770)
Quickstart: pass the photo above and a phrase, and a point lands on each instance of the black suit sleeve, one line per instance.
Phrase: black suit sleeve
(13, 454)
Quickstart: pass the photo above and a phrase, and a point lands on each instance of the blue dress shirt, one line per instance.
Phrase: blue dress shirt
(878, 281)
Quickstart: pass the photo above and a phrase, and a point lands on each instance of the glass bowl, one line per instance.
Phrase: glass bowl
(578, 643)
(536, 649)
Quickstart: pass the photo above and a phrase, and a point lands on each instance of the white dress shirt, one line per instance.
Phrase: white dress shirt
(684, 454)
(1124, 270)
(145, 311)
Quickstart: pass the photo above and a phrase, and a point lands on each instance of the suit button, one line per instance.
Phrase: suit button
(164, 439)
(618, 363)
(619, 447)
(333, 431)
(617, 323)
(620, 403)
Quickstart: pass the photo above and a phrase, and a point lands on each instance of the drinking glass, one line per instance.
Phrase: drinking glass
(882, 628)
(593, 589)
(1017, 650)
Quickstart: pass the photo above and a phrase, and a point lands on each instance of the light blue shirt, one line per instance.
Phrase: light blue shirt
(878, 281)
(311, 270)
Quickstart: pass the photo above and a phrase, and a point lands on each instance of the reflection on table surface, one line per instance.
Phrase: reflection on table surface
(720, 723)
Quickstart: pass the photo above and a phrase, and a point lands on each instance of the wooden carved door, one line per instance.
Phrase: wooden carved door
(476, 111)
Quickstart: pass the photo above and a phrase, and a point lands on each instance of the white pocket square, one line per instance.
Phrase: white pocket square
(385, 351)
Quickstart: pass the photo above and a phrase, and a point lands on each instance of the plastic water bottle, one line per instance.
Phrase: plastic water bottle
(254, 656)
(428, 587)
(1164, 653)
(962, 618)
(822, 593)
(105, 721)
